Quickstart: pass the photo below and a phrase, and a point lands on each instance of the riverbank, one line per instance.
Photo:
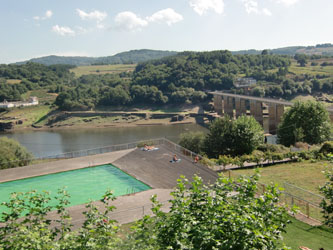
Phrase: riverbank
(44, 117)
(100, 125)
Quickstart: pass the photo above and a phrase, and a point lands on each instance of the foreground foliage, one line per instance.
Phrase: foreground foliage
(225, 215)
(37, 231)
(12, 154)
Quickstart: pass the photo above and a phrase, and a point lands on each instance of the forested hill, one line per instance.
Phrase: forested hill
(319, 49)
(129, 57)
(178, 79)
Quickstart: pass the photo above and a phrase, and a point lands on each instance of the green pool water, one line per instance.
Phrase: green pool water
(82, 184)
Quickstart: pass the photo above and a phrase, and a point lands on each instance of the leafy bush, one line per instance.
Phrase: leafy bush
(12, 154)
(192, 141)
(327, 202)
(298, 126)
(207, 217)
(275, 148)
(228, 137)
(327, 147)
(302, 145)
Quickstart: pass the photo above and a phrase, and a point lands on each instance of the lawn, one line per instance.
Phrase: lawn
(28, 115)
(306, 175)
(102, 69)
(301, 234)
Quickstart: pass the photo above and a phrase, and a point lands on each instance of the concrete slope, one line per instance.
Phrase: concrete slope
(155, 169)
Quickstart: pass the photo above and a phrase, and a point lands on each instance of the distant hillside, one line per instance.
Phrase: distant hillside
(129, 57)
(320, 49)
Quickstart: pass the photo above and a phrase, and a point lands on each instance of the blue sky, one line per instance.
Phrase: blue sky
(34, 28)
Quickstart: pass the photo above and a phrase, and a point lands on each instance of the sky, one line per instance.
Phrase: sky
(35, 28)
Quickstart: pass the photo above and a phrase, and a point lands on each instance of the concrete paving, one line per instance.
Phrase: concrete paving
(154, 167)
(129, 208)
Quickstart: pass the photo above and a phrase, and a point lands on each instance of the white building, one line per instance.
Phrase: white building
(33, 100)
(245, 82)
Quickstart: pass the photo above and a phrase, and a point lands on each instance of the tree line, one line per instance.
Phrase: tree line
(182, 78)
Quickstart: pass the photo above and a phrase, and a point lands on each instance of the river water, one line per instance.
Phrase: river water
(52, 142)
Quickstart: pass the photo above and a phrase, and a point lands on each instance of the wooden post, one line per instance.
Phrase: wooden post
(229, 172)
(308, 210)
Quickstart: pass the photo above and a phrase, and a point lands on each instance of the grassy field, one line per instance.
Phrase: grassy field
(102, 69)
(96, 120)
(42, 94)
(312, 70)
(28, 115)
(303, 98)
(305, 175)
(13, 81)
(300, 234)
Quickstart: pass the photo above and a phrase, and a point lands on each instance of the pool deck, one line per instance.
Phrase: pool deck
(154, 167)
(151, 167)
(129, 208)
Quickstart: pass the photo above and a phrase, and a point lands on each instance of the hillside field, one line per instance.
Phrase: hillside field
(102, 69)
(313, 70)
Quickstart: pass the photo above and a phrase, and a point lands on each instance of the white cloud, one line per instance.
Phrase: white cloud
(63, 30)
(94, 15)
(128, 20)
(169, 16)
(202, 6)
(48, 14)
(266, 12)
(251, 6)
(81, 30)
(288, 2)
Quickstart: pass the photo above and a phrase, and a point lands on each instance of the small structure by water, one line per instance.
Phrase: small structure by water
(33, 100)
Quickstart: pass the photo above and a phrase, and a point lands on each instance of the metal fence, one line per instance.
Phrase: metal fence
(102, 150)
(308, 203)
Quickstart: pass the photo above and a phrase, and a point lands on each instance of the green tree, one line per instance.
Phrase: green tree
(305, 121)
(248, 135)
(227, 137)
(301, 59)
(12, 154)
(219, 140)
(192, 141)
(258, 91)
(207, 217)
(327, 202)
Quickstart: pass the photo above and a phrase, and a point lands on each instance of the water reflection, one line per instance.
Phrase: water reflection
(45, 143)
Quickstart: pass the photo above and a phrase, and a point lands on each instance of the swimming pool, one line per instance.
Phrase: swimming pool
(82, 184)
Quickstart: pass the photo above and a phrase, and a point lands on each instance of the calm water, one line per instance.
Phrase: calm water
(46, 143)
(82, 184)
